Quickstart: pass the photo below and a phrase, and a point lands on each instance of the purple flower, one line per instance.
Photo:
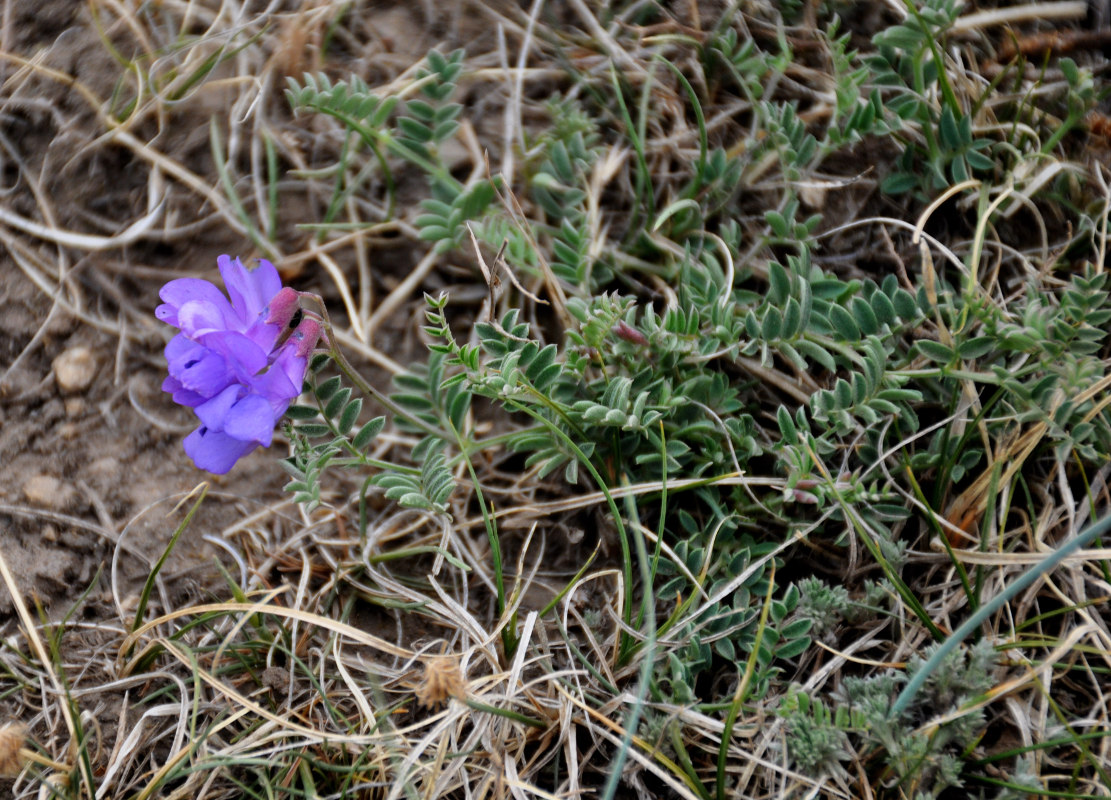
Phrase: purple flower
(243, 415)
(229, 363)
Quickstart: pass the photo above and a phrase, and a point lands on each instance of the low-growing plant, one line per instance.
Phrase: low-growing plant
(744, 422)
(638, 390)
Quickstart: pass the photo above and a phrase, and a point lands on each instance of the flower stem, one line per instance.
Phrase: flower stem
(366, 388)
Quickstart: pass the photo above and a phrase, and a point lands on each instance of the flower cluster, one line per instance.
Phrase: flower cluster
(236, 364)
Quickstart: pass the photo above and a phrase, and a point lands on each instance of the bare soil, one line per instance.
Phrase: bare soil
(91, 465)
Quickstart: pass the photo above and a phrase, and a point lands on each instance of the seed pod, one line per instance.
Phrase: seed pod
(630, 334)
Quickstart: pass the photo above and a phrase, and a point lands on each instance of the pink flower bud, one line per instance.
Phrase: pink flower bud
(306, 336)
(630, 334)
(282, 308)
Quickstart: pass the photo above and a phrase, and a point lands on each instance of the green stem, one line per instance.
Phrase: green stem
(1059, 134)
(622, 534)
(516, 716)
(363, 461)
(366, 388)
(988, 378)
(509, 632)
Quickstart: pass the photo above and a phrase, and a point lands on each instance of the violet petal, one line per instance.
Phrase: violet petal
(251, 419)
(214, 451)
(213, 413)
(250, 290)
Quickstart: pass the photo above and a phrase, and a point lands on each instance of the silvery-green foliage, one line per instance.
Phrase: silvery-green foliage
(325, 432)
(922, 761)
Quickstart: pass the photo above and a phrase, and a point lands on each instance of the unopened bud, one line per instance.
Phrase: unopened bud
(306, 336)
(283, 308)
(630, 334)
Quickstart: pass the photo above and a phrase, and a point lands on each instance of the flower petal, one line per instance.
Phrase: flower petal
(202, 371)
(225, 362)
(293, 360)
(181, 290)
(243, 355)
(215, 411)
(208, 307)
(214, 451)
(251, 420)
(181, 395)
(198, 317)
(276, 385)
(179, 346)
(250, 290)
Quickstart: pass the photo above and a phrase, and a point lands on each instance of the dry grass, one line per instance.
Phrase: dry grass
(335, 665)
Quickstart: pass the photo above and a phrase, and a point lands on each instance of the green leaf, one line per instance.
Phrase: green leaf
(935, 351)
(328, 388)
(414, 130)
(457, 409)
(428, 220)
(900, 395)
(979, 161)
(301, 412)
(787, 425)
(414, 500)
(435, 233)
(313, 430)
(883, 308)
(445, 130)
(864, 317)
(778, 223)
(843, 322)
(350, 415)
(368, 432)
(792, 355)
(792, 319)
(816, 353)
(414, 402)
(904, 304)
(1069, 70)
(772, 325)
(899, 183)
(976, 347)
(794, 648)
(951, 138)
(421, 110)
(337, 402)
(860, 388)
(779, 284)
(595, 414)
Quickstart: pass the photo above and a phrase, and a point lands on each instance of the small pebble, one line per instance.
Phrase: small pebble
(75, 406)
(103, 469)
(50, 493)
(75, 369)
(43, 491)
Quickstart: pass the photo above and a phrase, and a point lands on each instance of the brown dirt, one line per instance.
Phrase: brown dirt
(93, 477)
(116, 476)
(97, 470)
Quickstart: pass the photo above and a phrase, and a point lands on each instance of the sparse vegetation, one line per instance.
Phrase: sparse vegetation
(691, 375)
